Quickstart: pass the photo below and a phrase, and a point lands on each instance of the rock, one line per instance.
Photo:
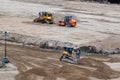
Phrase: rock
(88, 49)
(2, 64)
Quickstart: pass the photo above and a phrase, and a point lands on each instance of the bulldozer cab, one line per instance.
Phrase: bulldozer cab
(46, 15)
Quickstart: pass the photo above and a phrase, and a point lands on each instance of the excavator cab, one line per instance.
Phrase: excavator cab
(45, 17)
(70, 55)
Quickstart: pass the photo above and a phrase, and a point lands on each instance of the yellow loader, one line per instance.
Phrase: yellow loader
(45, 17)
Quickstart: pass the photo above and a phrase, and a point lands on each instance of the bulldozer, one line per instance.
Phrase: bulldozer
(45, 17)
(70, 55)
(68, 21)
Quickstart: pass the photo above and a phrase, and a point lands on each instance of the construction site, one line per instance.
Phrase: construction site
(59, 40)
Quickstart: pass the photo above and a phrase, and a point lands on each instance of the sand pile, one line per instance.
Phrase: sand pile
(68, 72)
(72, 73)
(35, 73)
(102, 70)
(105, 72)
(89, 62)
(2, 64)
(114, 60)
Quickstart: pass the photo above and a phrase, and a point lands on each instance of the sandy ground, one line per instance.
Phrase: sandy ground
(40, 64)
(8, 72)
(93, 24)
(97, 24)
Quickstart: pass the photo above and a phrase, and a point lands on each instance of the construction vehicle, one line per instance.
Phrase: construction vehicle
(70, 55)
(5, 60)
(68, 21)
(45, 17)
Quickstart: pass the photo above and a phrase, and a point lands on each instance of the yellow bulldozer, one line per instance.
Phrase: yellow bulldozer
(45, 17)
(70, 55)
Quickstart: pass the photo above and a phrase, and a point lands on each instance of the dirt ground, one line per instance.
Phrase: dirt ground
(40, 64)
(97, 24)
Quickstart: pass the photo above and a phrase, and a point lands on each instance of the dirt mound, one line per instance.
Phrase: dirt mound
(89, 62)
(2, 64)
(77, 77)
(114, 60)
(103, 71)
(33, 74)
(69, 72)
(27, 74)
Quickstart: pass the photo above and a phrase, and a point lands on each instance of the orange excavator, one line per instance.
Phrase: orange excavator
(68, 21)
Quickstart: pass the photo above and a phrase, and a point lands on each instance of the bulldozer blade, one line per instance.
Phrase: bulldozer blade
(69, 61)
